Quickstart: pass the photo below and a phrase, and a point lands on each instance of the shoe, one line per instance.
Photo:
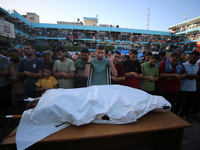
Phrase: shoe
(196, 116)
(188, 118)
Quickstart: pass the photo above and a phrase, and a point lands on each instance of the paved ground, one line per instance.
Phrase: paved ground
(191, 139)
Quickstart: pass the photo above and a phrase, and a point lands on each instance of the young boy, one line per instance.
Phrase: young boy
(47, 82)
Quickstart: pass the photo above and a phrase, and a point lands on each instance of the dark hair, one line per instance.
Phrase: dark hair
(176, 55)
(14, 51)
(85, 50)
(155, 56)
(117, 52)
(162, 53)
(60, 48)
(144, 52)
(133, 51)
(149, 54)
(195, 53)
(3, 48)
(38, 55)
(106, 51)
(45, 54)
(48, 67)
(127, 56)
(32, 45)
(101, 47)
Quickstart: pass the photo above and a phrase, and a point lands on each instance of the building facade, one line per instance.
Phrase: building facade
(90, 34)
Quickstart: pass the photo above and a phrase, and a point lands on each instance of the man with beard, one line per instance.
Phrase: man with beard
(63, 69)
(120, 69)
(17, 83)
(151, 75)
(46, 56)
(171, 72)
(31, 69)
(99, 66)
(80, 80)
(188, 86)
(133, 71)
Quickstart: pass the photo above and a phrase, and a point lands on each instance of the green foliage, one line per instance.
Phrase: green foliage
(42, 48)
(110, 47)
(72, 48)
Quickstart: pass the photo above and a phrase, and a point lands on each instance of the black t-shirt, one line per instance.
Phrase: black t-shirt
(130, 66)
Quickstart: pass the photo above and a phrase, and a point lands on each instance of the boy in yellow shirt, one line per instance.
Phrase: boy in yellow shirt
(47, 82)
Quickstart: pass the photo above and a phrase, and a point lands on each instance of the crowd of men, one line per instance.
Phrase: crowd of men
(174, 76)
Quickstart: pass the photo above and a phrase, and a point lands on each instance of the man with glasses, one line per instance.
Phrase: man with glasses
(99, 65)
(120, 69)
(133, 71)
(80, 79)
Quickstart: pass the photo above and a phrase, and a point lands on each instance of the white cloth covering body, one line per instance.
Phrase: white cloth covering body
(81, 106)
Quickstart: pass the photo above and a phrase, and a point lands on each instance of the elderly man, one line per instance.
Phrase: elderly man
(171, 71)
(99, 65)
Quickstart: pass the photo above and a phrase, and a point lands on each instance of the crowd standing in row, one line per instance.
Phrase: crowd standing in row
(174, 76)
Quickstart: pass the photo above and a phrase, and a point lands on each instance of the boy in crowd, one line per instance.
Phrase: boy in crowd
(47, 81)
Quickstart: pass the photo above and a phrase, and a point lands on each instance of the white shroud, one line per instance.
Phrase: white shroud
(80, 106)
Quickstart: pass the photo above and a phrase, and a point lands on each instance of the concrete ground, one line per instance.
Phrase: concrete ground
(191, 139)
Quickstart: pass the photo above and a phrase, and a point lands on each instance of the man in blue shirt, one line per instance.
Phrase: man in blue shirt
(188, 87)
(99, 64)
(31, 69)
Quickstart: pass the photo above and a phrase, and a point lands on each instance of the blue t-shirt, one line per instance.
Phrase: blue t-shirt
(4, 63)
(186, 84)
(99, 74)
(33, 66)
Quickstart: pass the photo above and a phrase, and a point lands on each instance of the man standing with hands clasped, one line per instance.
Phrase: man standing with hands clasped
(99, 65)
(31, 69)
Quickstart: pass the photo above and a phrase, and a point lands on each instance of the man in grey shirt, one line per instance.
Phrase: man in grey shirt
(5, 100)
(63, 69)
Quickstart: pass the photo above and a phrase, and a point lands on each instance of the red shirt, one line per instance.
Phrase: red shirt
(130, 66)
(169, 85)
(120, 72)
